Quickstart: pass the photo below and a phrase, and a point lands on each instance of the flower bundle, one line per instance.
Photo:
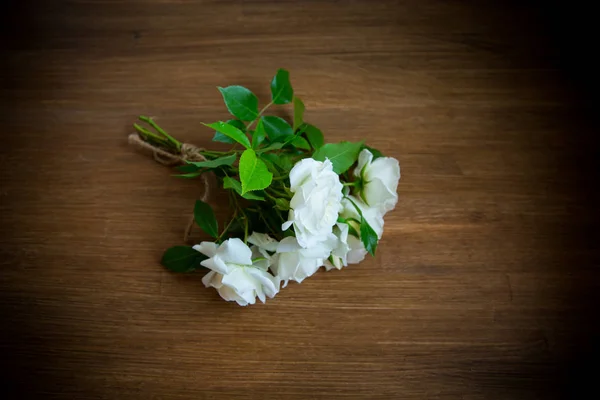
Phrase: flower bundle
(297, 203)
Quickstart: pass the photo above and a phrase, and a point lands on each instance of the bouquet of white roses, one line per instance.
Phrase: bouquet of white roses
(297, 203)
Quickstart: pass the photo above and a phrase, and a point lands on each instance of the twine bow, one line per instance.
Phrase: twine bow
(188, 152)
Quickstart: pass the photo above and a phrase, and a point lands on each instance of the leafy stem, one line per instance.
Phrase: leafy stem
(154, 125)
(233, 217)
(269, 196)
(277, 193)
(212, 153)
(358, 210)
(245, 228)
(268, 224)
(149, 136)
(259, 115)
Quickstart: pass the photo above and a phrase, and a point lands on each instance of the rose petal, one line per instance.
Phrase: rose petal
(239, 280)
(379, 196)
(301, 171)
(209, 249)
(268, 283)
(215, 264)
(235, 251)
(357, 251)
(212, 279)
(263, 241)
(288, 245)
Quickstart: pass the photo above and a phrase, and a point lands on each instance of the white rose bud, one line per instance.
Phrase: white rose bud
(374, 218)
(379, 180)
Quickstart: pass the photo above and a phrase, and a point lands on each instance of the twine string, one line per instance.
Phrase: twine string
(188, 152)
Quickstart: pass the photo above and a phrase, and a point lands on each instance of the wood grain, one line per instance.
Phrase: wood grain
(485, 280)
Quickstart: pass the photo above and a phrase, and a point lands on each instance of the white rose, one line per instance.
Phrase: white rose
(233, 273)
(379, 180)
(296, 263)
(357, 251)
(263, 241)
(316, 203)
(264, 245)
(339, 253)
(374, 218)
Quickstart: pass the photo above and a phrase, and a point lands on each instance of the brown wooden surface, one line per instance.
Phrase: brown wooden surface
(484, 276)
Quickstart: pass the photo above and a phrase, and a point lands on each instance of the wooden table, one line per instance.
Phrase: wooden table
(485, 278)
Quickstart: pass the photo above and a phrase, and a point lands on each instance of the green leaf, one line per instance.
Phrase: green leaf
(298, 113)
(230, 131)
(217, 162)
(205, 218)
(190, 174)
(253, 196)
(231, 183)
(368, 236)
(240, 102)
(300, 143)
(272, 146)
(342, 155)
(280, 160)
(259, 134)
(267, 160)
(238, 124)
(219, 137)
(281, 88)
(376, 153)
(277, 128)
(254, 174)
(187, 168)
(182, 259)
(314, 136)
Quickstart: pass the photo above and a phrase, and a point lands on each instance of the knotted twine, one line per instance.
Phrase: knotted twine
(188, 152)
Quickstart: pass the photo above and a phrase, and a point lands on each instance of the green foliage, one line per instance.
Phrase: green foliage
(231, 183)
(298, 113)
(259, 134)
(282, 204)
(254, 174)
(219, 137)
(187, 168)
(217, 162)
(300, 143)
(314, 135)
(277, 128)
(283, 162)
(271, 147)
(182, 259)
(205, 218)
(190, 175)
(368, 236)
(240, 102)
(230, 131)
(342, 155)
(281, 88)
